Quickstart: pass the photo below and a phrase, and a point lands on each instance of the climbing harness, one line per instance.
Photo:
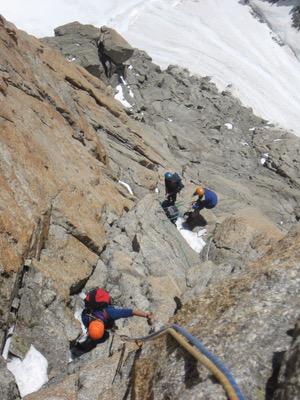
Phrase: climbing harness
(197, 349)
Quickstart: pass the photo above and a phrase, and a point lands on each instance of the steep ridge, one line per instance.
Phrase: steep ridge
(65, 144)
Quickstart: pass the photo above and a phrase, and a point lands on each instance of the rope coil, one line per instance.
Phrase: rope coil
(197, 349)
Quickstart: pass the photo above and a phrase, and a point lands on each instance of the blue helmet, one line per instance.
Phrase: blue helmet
(168, 175)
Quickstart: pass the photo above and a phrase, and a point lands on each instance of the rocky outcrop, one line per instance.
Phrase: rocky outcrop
(69, 38)
(114, 46)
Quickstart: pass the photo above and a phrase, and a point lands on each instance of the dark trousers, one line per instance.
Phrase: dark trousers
(80, 348)
(171, 198)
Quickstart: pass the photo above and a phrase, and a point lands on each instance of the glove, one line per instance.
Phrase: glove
(150, 319)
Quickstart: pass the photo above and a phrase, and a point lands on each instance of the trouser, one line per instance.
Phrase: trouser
(81, 348)
(171, 197)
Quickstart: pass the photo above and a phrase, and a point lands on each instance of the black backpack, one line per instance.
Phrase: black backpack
(174, 184)
(172, 213)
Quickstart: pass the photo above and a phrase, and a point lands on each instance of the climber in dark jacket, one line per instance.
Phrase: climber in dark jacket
(207, 199)
(173, 186)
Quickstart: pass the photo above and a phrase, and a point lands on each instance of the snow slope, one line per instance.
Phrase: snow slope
(279, 17)
(217, 38)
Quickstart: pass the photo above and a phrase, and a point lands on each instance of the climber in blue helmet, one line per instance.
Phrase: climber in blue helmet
(173, 185)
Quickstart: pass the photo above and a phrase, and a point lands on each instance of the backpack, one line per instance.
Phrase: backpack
(172, 213)
(176, 178)
(97, 299)
(174, 184)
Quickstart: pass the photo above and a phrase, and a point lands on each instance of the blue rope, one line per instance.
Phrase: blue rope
(200, 346)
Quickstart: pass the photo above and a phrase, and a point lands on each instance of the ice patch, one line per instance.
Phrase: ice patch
(228, 125)
(120, 97)
(31, 373)
(127, 187)
(194, 239)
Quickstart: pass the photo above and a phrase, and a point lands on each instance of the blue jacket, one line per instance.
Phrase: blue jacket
(108, 315)
(210, 200)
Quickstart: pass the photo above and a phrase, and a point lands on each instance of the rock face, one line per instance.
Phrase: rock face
(58, 188)
(289, 378)
(245, 322)
(69, 150)
(8, 387)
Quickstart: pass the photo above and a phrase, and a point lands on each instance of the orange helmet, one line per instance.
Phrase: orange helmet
(96, 329)
(200, 191)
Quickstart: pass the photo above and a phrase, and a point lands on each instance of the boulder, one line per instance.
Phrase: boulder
(113, 45)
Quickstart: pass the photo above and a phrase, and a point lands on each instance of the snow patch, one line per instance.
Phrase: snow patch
(264, 158)
(252, 129)
(70, 58)
(7, 342)
(130, 67)
(78, 311)
(244, 143)
(156, 190)
(170, 120)
(194, 239)
(31, 373)
(127, 187)
(120, 97)
(228, 125)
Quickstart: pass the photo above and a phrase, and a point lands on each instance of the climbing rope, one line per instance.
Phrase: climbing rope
(197, 349)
